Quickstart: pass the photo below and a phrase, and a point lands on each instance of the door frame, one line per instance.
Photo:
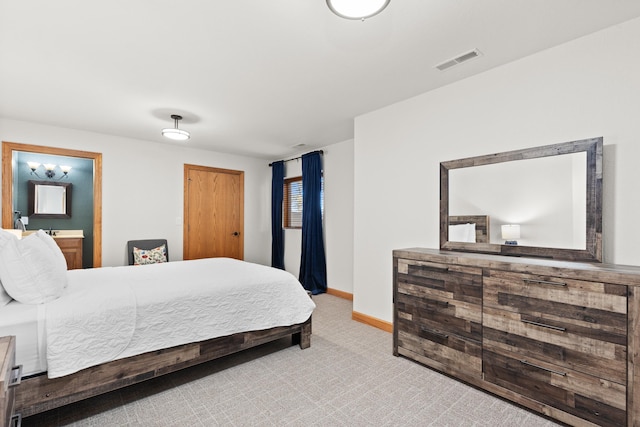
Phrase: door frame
(7, 186)
(185, 213)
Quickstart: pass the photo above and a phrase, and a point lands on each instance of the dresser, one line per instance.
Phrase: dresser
(9, 379)
(556, 337)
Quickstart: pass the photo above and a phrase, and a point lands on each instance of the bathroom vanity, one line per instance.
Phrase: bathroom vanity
(72, 250)
(70, 243)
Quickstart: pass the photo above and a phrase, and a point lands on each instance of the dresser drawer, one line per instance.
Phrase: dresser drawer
(439, 315)
(573, 324)
(442, 281)
(585, 396)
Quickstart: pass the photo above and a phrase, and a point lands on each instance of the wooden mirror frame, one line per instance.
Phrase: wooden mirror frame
(7, 186)
(32, 200)
(593, 249)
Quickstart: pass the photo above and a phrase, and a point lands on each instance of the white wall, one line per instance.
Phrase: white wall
(142, 187)
(338, 217)
(586, 88)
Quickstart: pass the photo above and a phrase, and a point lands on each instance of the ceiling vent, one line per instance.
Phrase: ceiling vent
(458, 59)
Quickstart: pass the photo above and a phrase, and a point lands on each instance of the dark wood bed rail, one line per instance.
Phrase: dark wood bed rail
(39, 393)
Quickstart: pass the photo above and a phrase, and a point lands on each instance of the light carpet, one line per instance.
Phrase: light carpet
(348, 377)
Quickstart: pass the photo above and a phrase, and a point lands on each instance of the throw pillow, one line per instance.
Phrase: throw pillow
(149, 256)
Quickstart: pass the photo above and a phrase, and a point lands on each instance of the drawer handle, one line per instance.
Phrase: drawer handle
(16, 420)
(16, 376)
(444, 304)
(544, 282)
(434, 333)
(544, 325)
(524, 362)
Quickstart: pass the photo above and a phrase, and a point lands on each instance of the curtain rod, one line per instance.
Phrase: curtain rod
(299, 157)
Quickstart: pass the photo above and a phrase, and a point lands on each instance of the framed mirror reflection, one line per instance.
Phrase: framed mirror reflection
(540, 202)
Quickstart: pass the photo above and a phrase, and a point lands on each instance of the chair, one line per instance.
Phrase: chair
(145, 244)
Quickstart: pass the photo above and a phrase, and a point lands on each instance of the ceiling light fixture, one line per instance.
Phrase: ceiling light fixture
(174, 132)
(357, 9)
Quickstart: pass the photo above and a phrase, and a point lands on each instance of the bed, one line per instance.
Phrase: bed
(116, 326)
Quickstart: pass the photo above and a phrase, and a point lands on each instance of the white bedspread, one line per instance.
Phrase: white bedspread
(112, 313)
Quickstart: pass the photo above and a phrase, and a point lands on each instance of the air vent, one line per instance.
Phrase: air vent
(458, 59)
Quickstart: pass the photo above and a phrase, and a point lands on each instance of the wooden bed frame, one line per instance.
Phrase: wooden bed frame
(481, 222)
(39, 393)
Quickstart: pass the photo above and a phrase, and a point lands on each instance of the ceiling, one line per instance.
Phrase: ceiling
(258, 77)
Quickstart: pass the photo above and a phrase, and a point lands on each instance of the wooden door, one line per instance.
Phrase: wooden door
(213, 212)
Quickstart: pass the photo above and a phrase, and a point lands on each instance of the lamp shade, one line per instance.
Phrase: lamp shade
(510, 231)
(357, 9)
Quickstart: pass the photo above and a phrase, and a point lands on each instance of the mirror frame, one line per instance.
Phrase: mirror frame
(32, 199)
(593, 249)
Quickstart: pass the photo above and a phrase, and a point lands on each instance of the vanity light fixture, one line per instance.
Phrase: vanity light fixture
(510, 234)
(357, 9)
(175, 133)
(33, 166)
(49, 170)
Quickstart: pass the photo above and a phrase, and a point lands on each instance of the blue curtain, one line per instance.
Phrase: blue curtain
(277, 232)
(313, 266)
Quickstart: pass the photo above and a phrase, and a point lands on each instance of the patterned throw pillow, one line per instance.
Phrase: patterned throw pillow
(149, 256)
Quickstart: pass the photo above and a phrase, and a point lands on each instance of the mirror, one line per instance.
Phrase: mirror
(50, 199)
(540, 202)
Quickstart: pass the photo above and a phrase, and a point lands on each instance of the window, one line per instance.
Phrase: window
(292, 211)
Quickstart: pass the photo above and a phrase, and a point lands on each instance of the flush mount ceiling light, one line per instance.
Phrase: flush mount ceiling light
(357, 9)
(174, 132)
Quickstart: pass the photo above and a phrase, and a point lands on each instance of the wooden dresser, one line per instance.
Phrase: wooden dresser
(9, 378)
(556, 337)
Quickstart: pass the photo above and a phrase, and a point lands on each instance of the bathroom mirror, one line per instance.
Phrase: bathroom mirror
(50, 199)
(552, 196)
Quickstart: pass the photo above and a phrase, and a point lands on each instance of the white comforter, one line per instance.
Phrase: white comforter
(116, 312)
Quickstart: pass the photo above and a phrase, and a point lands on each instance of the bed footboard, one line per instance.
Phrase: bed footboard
(38, 394)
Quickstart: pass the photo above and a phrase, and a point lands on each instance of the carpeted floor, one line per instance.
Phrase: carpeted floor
(348, 377)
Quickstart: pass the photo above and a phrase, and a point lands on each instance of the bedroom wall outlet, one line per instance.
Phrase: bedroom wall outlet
(178, 220)
(25, 220)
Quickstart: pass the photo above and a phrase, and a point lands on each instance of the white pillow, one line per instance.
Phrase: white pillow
(4, 296)
(31, 270)
(462, 233)
(58, 256)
